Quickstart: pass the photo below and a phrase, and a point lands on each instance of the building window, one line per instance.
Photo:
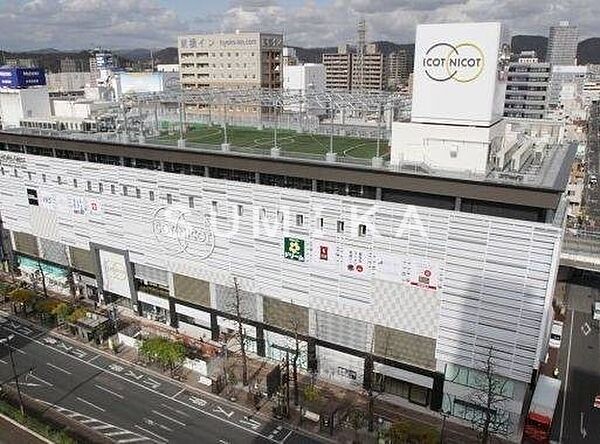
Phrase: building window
(89, 185)
(138, 193)
(124, 190)
(191, 201)
(74, 183)
(58, 178)
(299, 220)
(340, 226)
(362, 230)
(113, 189)
(240, 210)
(321, 223)
(43, 178)
(169, 198)
(215, 208)
(263, 214)
(32, 197)
(151, 195)
(100, 187)
(29, 175)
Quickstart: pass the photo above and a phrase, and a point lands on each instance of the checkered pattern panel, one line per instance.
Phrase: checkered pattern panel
(341, 330)
(226, 301)
(285, 315)
(82, 260)
(192, 290)
(26, 243)
(407, 308)
(405, 347)
(54, 252)
(151, 274)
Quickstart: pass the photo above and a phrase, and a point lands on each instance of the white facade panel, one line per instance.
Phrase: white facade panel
(485, 264)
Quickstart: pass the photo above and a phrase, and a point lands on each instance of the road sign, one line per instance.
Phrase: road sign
(597, 402)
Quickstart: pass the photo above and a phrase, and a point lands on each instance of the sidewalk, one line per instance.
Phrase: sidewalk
(334, 397)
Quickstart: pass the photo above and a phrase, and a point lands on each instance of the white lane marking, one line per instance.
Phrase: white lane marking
(3, 361)
(178, 393)
(222, 441)
(103, 426)
(168, 418)
(110, 391)
(164, 440)
(286, 437)
(120, 432)
(90, 404)
(94, 358)
(581, 426)
(175, 410)
(152, 422)
(125, 441)
(562, 416)
(49, 364)
(43, 381)
(232, 423)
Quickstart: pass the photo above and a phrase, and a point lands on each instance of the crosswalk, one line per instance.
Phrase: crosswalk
(116, 434)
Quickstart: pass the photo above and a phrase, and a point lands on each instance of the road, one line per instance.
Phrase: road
(123, 403)
(580, 370)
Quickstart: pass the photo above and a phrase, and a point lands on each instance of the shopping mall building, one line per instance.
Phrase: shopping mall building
(411, 275)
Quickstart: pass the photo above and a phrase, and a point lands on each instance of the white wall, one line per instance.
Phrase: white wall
(446, 147)
(495, 273)
(302, 79)
(17, 104)
(458, 95)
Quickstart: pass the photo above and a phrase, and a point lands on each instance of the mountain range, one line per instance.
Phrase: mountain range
(588, 51)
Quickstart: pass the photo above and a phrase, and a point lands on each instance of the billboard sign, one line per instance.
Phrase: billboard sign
(458, 73)
(15, 77)
(293, 248)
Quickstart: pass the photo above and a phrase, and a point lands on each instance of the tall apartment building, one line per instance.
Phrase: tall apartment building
(239, 60)
(338, 68)
(562, 44)
(349, 70)
(527, 88)
(368, 69)
(398, 68)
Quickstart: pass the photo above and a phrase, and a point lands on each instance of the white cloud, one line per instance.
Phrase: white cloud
(76, 24)
(29, 24)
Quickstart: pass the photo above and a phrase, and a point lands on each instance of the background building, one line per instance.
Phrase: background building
(240, 60)
(571, 77)
(101, 66)
(368, 69)
(303, 79)
(338, 68)
(562, 44)
(398, 69)
(527, 89)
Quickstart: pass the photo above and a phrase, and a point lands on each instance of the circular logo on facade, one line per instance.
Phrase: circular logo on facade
(462, 63)
(183, 232)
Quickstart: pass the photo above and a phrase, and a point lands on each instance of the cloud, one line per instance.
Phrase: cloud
(76, 24)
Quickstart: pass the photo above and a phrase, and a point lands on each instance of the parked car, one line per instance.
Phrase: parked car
(596, 311)
(556, 334)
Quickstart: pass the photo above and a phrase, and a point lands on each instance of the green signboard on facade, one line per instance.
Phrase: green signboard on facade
(293, 248)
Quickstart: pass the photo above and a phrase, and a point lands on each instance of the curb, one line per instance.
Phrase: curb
(25, 429)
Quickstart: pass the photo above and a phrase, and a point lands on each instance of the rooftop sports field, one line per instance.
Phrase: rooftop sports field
(287, 140)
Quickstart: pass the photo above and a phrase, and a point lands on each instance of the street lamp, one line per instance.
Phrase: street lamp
(6, 341)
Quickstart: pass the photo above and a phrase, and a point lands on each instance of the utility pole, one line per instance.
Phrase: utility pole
(14, 370)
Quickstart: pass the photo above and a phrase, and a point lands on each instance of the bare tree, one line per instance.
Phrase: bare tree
(42, 278)
(241, 331)
(489, 397)
(295, 329)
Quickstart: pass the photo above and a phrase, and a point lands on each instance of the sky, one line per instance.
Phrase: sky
(119, 24)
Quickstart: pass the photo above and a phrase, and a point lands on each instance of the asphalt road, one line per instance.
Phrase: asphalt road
(576, 420)
(123, 403)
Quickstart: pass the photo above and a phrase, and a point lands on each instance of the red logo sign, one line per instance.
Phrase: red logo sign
(324, 253)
